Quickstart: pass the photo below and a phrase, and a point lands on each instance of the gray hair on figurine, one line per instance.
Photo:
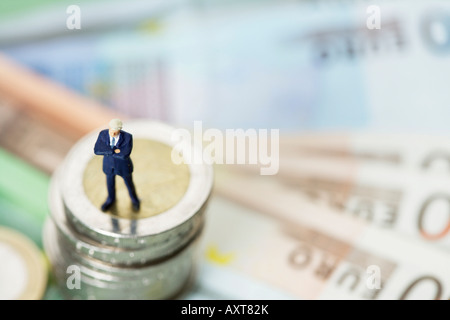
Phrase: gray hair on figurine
(115, 124)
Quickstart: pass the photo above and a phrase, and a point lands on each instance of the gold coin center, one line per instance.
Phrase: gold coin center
(160, 184)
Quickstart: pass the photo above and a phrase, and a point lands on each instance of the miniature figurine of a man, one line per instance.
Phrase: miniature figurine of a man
(115, 146)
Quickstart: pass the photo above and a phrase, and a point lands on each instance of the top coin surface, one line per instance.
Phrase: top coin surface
(160, 183)
(171, 194)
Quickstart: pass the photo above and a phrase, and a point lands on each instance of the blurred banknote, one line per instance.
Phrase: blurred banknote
(316, 255)
(285, 64)
(406, 201)
(32, 139)
(421, 153)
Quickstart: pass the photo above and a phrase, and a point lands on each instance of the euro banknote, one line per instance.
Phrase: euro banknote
(23, 204)
(293, 65)
(34, 141)
(314, 255)
(23, 21)
(407, 203)
(427, 153)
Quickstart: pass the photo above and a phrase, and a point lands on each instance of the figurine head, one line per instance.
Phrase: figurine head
(115, 125)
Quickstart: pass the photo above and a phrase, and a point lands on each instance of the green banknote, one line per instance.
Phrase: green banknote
(23, 203)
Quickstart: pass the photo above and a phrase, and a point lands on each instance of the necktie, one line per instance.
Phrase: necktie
(113, 143)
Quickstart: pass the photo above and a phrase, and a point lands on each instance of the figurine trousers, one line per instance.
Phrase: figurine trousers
(111, 185)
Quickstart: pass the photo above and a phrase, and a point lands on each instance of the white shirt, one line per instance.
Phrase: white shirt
(117, 139)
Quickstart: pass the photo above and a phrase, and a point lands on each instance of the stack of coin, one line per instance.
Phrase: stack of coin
(122, 253)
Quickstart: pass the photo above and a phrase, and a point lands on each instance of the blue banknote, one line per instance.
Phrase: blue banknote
(293, 65)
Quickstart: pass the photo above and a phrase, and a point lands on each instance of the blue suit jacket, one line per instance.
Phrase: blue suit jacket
(119, 162)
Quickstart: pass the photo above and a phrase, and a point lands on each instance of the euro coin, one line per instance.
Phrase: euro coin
(23, 272)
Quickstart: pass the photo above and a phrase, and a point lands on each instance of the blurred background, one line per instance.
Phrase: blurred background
(356, 87)
(294, 65)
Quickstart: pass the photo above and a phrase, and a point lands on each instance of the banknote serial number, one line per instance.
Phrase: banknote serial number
(230, 309)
